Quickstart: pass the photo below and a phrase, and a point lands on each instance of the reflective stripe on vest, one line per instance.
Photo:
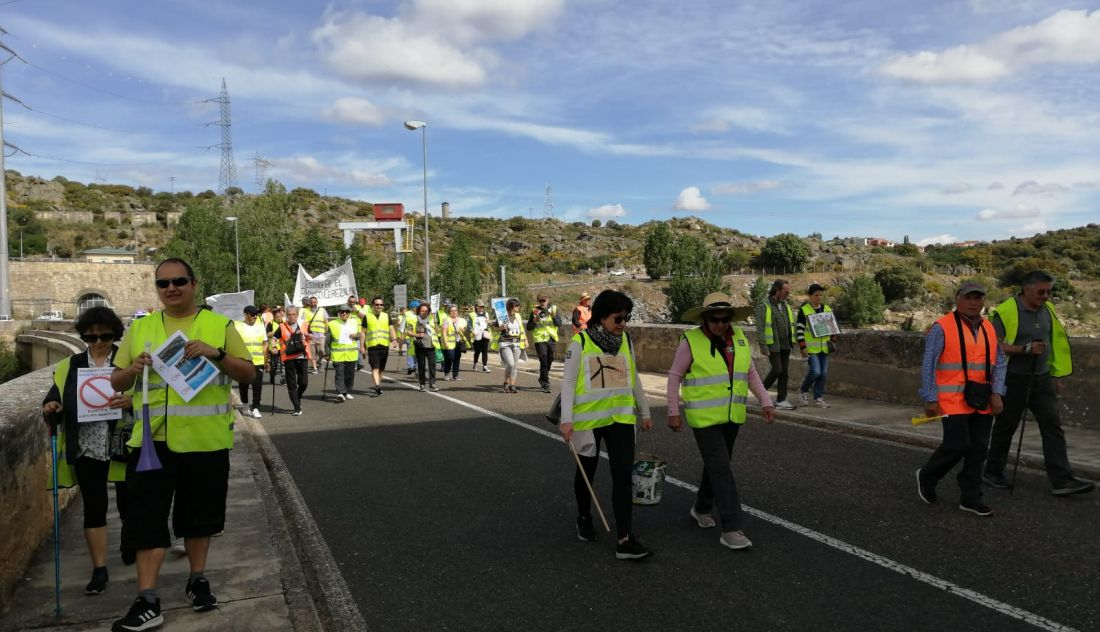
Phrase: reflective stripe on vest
(205, 423)
(710, 394)
(769, 332)
(378, 329)
(545, 331)
(253, 336)
(814, 344)
(344, 351)
(950, 380)
(597, 407)
(1061, 364)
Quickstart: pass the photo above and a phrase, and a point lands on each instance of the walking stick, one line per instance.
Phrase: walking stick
(587, 483)
(1023, 422)
(54, 420)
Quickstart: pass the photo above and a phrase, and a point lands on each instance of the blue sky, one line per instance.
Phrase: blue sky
(939, 120)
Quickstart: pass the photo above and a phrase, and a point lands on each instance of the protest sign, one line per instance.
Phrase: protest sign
(823, 325)
(93, 392)
(500, 308)
(186, 376)
(331, 288)
(400, 297)
(232, 305)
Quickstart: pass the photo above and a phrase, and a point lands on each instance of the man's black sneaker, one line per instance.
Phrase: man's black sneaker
(584, 529)
(632, 549)
(976, 507)
(927, 493)
(546, 388)
(996, 479)
(201, 598)
(142, 616)
(98, 583)
(1073, 486)
(377, 390)
(409, 371)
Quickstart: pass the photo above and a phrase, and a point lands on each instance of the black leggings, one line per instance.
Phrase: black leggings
(91, 475)
(619, 439)
(779, 373)
(481, 347)
(425, 361)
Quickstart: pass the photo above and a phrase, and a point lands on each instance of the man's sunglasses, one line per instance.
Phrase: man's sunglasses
(715, 319)
(90, 338)
(178, 282)
(622, 319)
(378, 304)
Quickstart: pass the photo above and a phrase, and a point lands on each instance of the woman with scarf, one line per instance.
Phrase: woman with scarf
(601, 402)
(427, 339)
(714, 366)
(85, 447)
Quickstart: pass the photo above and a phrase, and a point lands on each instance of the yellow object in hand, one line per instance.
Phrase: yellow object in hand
(923, 420)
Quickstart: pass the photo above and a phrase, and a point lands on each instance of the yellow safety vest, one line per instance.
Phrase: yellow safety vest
(378, 329)
(316, 321)
(204, 424)
(710, 394)
(1061, 364)
(344, 351)
(66, 473)
(813, 344)
(253, 336)
(769, 333)
(449, 334)
(545, 331)
(594, 407)
(495, 344)
(410, 325)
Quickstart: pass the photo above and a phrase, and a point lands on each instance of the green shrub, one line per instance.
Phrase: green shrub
(899, 282)
(784, 251)
(862, 302)
(10, 366)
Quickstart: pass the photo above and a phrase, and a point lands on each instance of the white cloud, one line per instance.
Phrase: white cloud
(1068, 36)
(1019, 212)
(1032, 187)
(606, 212)
(355, 111)
(1038, 226)
(937, 239)
(744, 118)
(742, 188)
(1088, 184)
(309, 167)
(956, 188)
(996, 186)
(691, 199)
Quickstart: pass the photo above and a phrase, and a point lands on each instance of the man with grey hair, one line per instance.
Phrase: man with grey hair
(1038, 350)
(294, 340)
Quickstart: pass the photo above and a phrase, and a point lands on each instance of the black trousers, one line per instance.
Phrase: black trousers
(965, 438)
(717, 485)
(297, 379)
(1044, 409)
(545, 351)
(481, 347)
(425, 361)
(780, 363)
(91, 476)
(619, 439)
(345, 376)
(257, 387)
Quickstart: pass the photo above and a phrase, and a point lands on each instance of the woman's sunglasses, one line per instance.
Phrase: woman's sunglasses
(714, 319)
(90, 338)
(622, 319)
(178, 282)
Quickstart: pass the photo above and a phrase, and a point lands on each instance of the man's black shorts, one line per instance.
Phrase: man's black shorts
(377, 357)
(197, 481)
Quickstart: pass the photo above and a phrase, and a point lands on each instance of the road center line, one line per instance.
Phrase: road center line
(885, 562)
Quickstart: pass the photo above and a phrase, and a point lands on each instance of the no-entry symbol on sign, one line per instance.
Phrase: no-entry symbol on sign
(93, 393)
(96, 392)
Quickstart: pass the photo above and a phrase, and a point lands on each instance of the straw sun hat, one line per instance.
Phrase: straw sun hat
(716, 302)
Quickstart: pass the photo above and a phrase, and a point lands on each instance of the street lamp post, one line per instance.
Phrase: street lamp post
(423, 127)
(237, 249)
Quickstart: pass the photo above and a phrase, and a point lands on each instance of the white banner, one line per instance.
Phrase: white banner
(331, 288)
(435, 302)
(232, 305)
(400, 298)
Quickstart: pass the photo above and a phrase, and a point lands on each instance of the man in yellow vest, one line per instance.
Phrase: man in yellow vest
(543, 324)
(1038, 355)
(344, 334)
(962, 380)
(713, 364)
(380, 334)
(191, 438)
(315, 320)
(775, 332)
(254, 334)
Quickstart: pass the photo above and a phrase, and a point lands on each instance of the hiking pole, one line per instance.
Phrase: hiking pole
(1023, 422)
(587, 483)
(53, 419)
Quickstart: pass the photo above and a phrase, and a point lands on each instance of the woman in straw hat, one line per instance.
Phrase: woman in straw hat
(713, 365)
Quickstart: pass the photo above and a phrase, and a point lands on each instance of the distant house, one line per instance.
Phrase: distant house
(877, 241)
(109, 255)
(967, 244)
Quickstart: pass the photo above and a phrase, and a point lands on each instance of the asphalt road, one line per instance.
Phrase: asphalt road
(447, 518)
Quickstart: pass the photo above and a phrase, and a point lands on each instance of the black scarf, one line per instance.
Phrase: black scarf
(605, 340)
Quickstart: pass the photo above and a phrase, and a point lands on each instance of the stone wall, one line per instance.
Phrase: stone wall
(71, 217)
(59, 284)
(143, 218)
(876, 365)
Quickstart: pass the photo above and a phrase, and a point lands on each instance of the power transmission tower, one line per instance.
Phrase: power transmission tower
(261, 171)
(548, 204)
(227, 175)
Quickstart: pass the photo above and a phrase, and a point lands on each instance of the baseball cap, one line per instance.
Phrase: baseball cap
(342, 309)
(970, 287)
(251, 310)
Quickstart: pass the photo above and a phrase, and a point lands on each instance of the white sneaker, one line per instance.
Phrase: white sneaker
(484, 369)
(177, 547)
(805, 397)
(349, 396)
(785, 405)
(735, 540)
(820, 403)
(256, 413)
(340, 397)
(705, 521)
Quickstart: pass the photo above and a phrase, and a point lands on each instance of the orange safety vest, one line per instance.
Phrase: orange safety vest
(585, 314)
(285, 332)
(949, 369)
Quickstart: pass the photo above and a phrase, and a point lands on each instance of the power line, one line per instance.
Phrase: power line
(108, 92)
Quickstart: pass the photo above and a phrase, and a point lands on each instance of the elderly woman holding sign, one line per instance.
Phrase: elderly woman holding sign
(94, 424)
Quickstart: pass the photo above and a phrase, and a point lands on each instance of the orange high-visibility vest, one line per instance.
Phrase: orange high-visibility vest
(949, 369)
(583, 316)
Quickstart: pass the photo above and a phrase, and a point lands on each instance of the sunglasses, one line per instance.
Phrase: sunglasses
(378, 304)
(713, 319)
(178, 282)
(90, 338)
(622, 319)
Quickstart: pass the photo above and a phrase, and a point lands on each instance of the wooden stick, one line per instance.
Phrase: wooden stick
(587, 483)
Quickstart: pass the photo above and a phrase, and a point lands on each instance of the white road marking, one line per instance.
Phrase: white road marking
(885, 562)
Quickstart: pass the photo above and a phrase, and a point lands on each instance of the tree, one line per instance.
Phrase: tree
(458, 275)
(862, 302)
(906, 250)
(596, 223)
(696, 273)
(758, 293)
(736, 259)
(657, 254)
(268, 231)
(22, 223)
(315, 251)
(784, 251)
(204, 239)
(899, 282)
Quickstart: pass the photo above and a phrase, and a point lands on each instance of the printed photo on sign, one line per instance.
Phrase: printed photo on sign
(606, 371)
(93, 394)
(500, 308)
(186, 376)
(823, 325)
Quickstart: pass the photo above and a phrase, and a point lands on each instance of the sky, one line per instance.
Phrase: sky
(941, 120)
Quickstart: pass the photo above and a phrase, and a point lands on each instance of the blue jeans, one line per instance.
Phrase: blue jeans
(817, 369)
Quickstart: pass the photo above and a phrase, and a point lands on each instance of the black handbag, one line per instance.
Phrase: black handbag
(294, 344)
(975, 394)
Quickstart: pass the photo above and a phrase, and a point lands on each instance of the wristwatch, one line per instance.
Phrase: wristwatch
(220, 356)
